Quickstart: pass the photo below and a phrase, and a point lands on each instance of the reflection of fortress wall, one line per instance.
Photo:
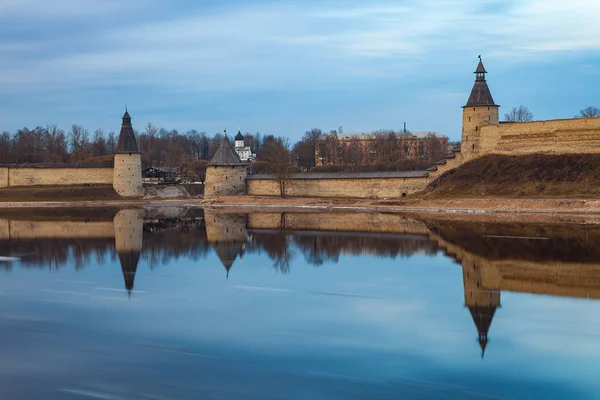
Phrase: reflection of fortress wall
(4, 229)
(55, 229)
(358, 222)
(559, 278)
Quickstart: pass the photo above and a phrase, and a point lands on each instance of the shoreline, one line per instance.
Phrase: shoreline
(451, 206)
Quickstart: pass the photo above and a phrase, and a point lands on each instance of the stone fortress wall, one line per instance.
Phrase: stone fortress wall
(348, 188)
(562, 136)
(12, 176)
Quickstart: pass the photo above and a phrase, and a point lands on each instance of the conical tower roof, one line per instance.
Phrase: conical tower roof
(226, 154)
(129, 262)
(480, 94)
(482, 316)
(127, 141)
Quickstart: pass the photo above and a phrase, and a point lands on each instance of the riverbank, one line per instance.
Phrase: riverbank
(471, 206)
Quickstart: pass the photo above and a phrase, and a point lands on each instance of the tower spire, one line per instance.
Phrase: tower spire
(480, 94)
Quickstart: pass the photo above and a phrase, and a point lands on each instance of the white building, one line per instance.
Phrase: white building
(244, 152)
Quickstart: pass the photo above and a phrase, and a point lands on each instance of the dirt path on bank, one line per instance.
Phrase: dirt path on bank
(447, 206)
(472, 206)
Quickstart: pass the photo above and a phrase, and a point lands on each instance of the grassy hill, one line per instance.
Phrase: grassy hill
(535, 175)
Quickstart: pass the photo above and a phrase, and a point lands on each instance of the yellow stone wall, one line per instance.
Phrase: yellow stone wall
(225, 181)
(563, 136)
(3, 177)
(54, 176)
(350, 188)
(128, 175)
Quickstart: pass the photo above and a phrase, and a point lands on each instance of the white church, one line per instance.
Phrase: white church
(245, 152)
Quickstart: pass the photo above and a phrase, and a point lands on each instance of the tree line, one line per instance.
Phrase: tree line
(522, 114)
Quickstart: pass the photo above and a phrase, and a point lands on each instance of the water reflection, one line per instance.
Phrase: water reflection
(496, 257)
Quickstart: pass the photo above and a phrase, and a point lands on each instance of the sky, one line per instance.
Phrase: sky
(285, 66)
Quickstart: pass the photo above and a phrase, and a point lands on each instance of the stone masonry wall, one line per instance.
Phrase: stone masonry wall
(54, 176)
(566, 136)
(225, 181)
(350, 188)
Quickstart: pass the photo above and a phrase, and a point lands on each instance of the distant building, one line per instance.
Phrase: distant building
(363, 148)
(245, 152)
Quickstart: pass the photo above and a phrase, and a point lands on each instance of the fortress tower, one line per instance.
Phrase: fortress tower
(127, 180)
(480, 110)
(226, 173)
(129, 226)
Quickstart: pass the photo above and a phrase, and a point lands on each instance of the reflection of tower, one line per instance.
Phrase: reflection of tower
(128, 242)
(227, 234)
(481, 303)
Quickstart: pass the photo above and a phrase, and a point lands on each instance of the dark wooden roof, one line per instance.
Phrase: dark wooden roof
(480, 94)
(127, 140)
(480, 68)
(239, 136)
(347, 175)
(226, 155)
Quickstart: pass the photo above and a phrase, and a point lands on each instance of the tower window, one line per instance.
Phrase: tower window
(473, 147)
(469, 119)
(476, 128)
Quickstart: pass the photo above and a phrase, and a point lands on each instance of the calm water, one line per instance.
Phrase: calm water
(186, 304)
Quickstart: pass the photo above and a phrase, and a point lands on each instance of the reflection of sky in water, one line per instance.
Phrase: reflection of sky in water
(365, 327)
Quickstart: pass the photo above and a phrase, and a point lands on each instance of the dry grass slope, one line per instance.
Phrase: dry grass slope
(535, 175)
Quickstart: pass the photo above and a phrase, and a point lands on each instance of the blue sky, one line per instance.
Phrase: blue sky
(283, 67)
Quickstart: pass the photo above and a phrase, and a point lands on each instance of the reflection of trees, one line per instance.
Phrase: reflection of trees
(171, 239)
(56, 253)
(321, 247)
(276, 245)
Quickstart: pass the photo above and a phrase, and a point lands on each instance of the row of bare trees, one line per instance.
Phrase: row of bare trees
(52, 144)
(522, 114)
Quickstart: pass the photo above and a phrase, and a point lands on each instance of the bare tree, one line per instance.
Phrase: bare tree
(519, 114)
(312, 138)
(589, 112)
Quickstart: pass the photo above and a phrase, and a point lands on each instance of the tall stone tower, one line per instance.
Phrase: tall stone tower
(127, 180)
(479, 111)
(226, 173)
(129, 226)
